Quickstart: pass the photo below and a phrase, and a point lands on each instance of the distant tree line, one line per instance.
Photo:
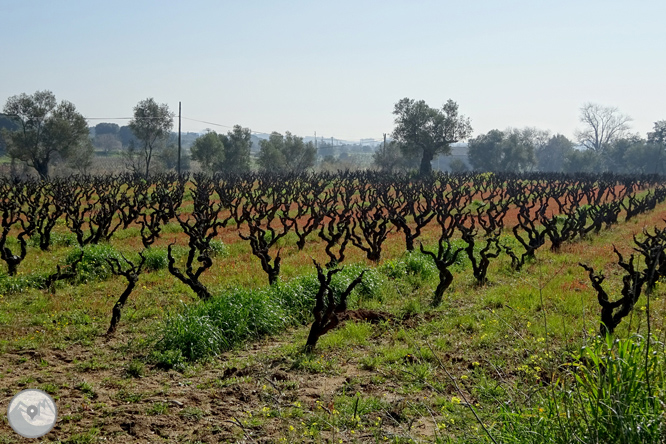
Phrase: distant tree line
(41, 132)
(604, 144)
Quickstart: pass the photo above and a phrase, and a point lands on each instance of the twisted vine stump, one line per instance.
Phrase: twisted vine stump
(326, 309)
(632, 284)
(191, 277)
(132, 275)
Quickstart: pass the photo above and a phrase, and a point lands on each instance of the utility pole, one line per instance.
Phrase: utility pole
(179, 138)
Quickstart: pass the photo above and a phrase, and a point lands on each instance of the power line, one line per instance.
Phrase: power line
(212, 123)
(341, 141)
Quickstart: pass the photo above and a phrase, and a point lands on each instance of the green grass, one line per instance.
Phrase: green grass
(87, 389)
(611, 391)
(135, 369)
(94, 265)
(156, 258)
(205, 329)
(158, 408)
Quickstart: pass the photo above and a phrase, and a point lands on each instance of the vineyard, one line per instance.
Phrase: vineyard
(348, 307)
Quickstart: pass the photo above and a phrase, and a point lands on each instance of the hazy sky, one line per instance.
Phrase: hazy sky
(339, 67)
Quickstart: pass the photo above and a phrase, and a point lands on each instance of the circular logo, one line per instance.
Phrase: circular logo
(32, 413)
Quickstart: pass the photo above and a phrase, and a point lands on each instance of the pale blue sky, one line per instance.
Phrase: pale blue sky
(339, 67)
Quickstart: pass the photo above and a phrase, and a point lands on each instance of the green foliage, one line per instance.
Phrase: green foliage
(425, 131)
(135, 369)
(87, 389)
(47, 130)
(389, 157)
(208, 150)
(414, 268)
(88, 437)
(156, 258)
(193, 413)
(217, 248)
(57, 240)
(369, 288)
(158, 408)
(93, 266)
(640, 157)
(151, 125)
(286, 153)
(168, 359)
(297, 297)
(237, 144)
(206, 329)
(419, 264)
(21, 282)
(552, 155)
(497, 150)
(604, 397)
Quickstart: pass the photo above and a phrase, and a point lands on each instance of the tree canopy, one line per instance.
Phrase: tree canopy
(224, 152)
(286, 153)
(389, 157)
(424, 131)
(47, 130)
(553, 154)
(658, 136)
(6, 123)
(151, 126)
(126, 136)
(106, 128)
(208, 150)
(237, 144)
(510, 150)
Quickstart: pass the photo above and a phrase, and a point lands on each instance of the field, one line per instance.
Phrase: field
(495, 360)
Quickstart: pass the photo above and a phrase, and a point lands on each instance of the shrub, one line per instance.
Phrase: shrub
(296, 297)
(411, 263)
(369, 288)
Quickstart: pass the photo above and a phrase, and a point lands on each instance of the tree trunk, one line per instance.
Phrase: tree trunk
(148, 156)
(42, 168)
(426, 163)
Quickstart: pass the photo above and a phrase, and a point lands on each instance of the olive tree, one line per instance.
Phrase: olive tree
(47, 130)
(425, 131)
